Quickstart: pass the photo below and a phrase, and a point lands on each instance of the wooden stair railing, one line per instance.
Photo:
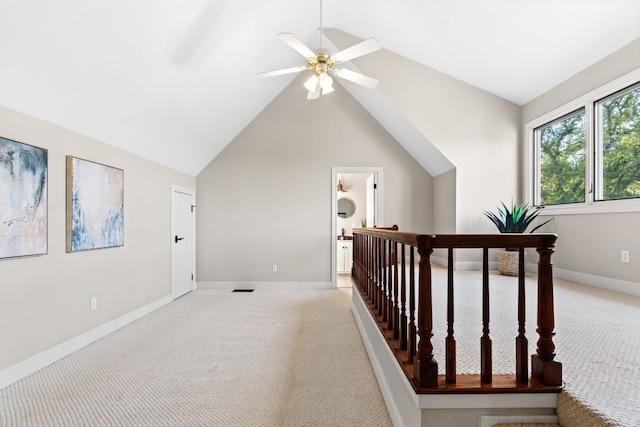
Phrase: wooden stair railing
(385, 277)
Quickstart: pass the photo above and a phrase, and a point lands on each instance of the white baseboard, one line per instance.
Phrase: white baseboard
(35, 363)
(264, 285)
(607, 283)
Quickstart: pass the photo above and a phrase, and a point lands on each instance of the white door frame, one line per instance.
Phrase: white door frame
(335, 170)
(192, 193)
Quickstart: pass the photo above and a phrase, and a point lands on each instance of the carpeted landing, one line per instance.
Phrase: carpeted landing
(213, 358)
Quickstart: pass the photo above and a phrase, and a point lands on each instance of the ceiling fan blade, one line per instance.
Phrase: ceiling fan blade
(352, 76)
(281, 72)
(297, 45)
(359, 49)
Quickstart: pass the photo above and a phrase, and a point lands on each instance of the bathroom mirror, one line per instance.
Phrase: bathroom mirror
(346, 207)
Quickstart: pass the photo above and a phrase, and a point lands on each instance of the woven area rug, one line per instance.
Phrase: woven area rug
(213, 358)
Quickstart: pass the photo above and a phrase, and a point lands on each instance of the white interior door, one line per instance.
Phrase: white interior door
(182, 241)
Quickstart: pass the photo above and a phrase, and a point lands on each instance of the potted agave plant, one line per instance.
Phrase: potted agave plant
(513, 220)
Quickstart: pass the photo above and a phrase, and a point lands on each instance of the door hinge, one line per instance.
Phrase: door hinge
(375, 186)
(192, 277)
(192, 206)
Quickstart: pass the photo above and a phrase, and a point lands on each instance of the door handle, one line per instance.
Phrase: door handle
(177, 239)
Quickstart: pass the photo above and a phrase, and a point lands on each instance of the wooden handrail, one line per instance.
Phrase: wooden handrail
(408, 324)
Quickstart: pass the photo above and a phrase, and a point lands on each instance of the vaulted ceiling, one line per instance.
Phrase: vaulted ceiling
(175, 81)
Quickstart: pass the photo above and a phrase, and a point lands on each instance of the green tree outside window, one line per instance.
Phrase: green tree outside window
(620, 171)
(562, 160)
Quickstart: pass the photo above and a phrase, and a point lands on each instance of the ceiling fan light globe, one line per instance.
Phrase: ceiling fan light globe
(327, 90)
(312, 83)
(314, 95)
(326, 83)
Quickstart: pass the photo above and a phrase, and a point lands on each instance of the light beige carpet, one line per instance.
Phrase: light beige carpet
(295, 358)
(213, 358)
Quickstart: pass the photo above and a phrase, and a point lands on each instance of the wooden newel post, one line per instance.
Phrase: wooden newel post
(544, 367)
(425, 368)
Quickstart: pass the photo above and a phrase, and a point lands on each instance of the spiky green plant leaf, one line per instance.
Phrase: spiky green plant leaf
(515, 219)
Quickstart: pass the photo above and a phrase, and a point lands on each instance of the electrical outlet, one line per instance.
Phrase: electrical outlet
(274, 268)
(624, 257)
(94, 303)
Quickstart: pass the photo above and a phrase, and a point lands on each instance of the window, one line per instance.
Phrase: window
(618, 140)
(585, 156)
(561, 160)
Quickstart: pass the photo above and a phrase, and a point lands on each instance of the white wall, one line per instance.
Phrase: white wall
(590, 244)
(44, 300)
(266, 199)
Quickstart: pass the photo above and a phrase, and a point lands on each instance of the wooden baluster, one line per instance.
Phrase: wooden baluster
(385, 282)
(375, 274)
(412, 306)
(389, 286)
(354, 271)
(374, 292)
(522, 344)
(450, 341)
(485, 342)
(390, 315)
(359, 255)
(380, 280)
(403, 301)
(366, 255)
(544, 367)
(365, 262)
(425, 368)
(370, 268)
(361, 264)
(396, 309)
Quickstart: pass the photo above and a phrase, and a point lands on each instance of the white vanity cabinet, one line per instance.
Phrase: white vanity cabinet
(345, 256)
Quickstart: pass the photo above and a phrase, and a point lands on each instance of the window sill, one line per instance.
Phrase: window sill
(604, 207)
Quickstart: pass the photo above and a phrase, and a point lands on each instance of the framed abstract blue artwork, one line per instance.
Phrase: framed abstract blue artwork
(95, 205)
(23, 199)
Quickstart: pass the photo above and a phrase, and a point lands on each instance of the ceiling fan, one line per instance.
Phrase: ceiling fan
(322, 62)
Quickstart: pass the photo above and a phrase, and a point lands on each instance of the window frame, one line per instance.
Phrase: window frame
(537, 150)
(598, 142)
(530, 177)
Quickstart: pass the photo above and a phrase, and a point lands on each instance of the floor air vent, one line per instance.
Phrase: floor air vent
(243, 290)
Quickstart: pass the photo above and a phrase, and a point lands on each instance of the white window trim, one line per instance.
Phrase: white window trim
(529, 161)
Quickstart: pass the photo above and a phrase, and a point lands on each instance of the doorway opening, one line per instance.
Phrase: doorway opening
(356, 202)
